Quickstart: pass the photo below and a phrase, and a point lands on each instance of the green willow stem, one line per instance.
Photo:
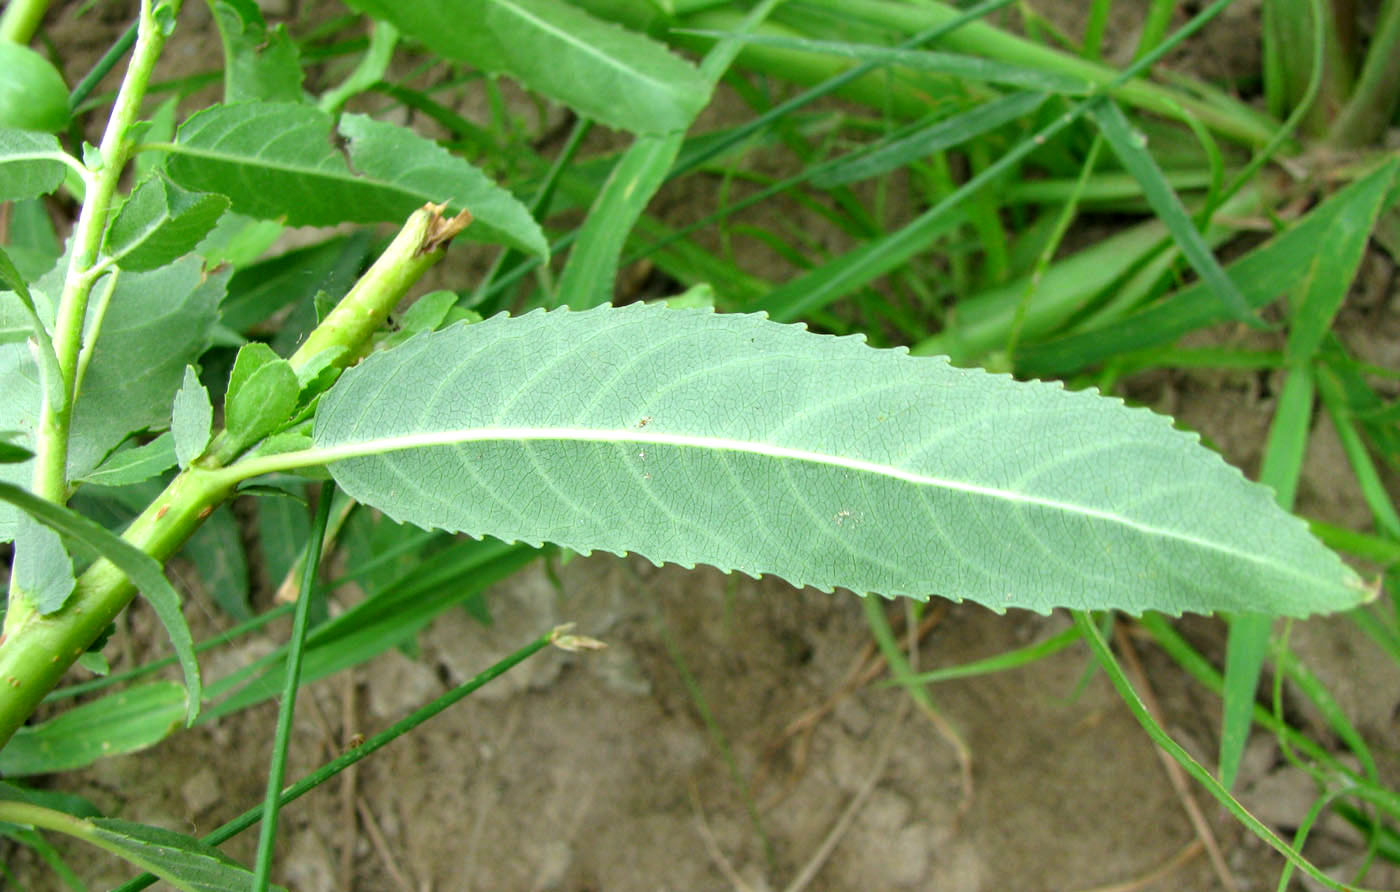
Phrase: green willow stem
(351, 756)
(35, 649)
(56, 415)
(21, 18)
(267, 839)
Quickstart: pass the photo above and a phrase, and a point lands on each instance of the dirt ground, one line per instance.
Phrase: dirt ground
(719, 742)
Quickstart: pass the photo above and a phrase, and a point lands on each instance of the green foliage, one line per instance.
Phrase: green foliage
(275, 160)
(30, 164)
(121, 723)
(160, 223)
(192, 420)
(613, 75)
(934, 208)
(32, 93)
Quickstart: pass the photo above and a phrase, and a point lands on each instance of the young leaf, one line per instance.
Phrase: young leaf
(140, 568)
(614, 76)
(691, 437)
(159, 223)
(191, 421)
(182, 861)
(134, 465)
(29, 165)
(258, 65)
(262, 392)
(120, 723)
(275, 160)
(43, 571)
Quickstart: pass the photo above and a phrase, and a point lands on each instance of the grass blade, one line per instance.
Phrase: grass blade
(1131, 148)
(283, 735)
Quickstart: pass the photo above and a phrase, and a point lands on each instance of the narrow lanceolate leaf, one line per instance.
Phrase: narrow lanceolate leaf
(691, 437)
(182, 861)
(161, 222)
(612, 75)
(29, 164)
(275, 160)
(120, 723)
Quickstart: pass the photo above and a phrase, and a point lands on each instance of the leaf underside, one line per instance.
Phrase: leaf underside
(691, 437)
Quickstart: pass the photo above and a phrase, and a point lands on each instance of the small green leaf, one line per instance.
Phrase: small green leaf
(262, 392)
(612, 75)
(160, 222)
(192, 419)
(139, 567)
(118, 723)
(129, 466)
(43, 571)
(94, 662)
(182, 861)
(426, 314)
(258, 64)
(29, 164)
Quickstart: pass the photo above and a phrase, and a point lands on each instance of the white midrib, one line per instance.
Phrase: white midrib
(381, 445)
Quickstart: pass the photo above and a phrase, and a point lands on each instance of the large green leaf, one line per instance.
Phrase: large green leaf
(730, 440)
(275, 160)
(612, 75)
